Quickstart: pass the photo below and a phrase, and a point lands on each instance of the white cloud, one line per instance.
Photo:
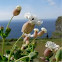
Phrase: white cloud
(51, 2)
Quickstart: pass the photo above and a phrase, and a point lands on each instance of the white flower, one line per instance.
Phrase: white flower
(27, 15)
(33, 19)
(36, 29)
(52, 45)
(18, 7)
(44, 29)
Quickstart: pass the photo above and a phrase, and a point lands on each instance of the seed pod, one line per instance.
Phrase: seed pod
(48, 53)
(17, 11)
(27, 27)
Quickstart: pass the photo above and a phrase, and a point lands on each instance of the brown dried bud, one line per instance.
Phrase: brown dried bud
(48, 53)
(27, 27)
(17, 11)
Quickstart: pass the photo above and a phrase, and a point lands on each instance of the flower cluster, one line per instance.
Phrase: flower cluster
(52, 53)
(27, 52)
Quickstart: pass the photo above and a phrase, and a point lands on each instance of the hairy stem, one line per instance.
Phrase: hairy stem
(3, 46)
(21, 58)
(13, 48)
(9, 21)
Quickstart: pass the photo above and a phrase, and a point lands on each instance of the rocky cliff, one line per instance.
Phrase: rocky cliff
(58, 31)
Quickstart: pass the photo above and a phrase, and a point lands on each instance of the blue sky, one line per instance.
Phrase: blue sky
(44, 9)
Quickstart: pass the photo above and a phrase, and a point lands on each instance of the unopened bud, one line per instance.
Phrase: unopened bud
(17, 11)
(35, 32)
(43, 30)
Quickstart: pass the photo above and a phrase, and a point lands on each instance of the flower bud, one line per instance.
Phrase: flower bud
(17, 11)
(35, 32)
(48, 53)
(27, 27)
(43, 30)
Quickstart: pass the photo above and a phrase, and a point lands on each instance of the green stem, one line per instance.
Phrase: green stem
(21, 58)
(13, 48)
(32, 45)
(9, 21)
(3, 46)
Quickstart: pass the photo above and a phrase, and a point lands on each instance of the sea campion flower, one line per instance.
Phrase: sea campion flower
(51, 45)
(29, 26)
(35, 32)
(17, 11)
(33, 19)
(43, 30)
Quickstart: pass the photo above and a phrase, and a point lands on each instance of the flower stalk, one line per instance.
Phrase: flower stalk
(3, 46)
(9, 22)
(13, 48)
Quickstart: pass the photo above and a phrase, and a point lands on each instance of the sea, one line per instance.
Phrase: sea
(16, 26)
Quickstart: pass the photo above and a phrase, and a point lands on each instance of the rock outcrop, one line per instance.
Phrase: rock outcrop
(58, 31)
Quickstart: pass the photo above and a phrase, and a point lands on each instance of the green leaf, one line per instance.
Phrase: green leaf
(58, 55)
(17, 54)
(7, 51)
(33, 55)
